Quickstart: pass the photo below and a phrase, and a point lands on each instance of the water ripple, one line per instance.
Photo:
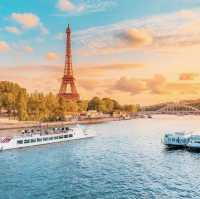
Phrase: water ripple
(126, 160)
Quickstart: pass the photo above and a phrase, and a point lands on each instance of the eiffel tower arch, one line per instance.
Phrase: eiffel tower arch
(68, 87)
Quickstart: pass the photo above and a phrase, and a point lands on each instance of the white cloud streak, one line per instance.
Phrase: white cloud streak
(68, 7)
(179, 29)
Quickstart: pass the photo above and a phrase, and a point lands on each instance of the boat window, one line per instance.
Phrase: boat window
(70, 135)
(62, 129)
(33, 140)
(45, 139)
(51, 138)
(60, 137)
(55, 138)
(19, 141)
(65, 136)
(26, 141)
(39, 139)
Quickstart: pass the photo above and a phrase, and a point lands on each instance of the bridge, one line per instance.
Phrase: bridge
(171, 108)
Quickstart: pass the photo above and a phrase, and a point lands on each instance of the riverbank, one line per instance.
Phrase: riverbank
(14, 124)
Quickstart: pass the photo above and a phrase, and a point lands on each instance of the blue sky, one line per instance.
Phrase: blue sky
(97, 13)
(110, 39)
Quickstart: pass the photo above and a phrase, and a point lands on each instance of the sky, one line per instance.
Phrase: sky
(138, 52)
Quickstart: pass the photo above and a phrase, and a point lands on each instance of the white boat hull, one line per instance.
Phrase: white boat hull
(35, 140)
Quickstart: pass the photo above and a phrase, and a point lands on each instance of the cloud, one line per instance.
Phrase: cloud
(124, 89)
(171, 32)
(186, 14)
(89, 84)
(99, 70)
(188, 76)
(157, 84)
(184, 88)
(29, 21)
(34, 77)
(4, 46)
(133, 86)
(67, 6)
(28, 49)
(13, 29)
(135, 38)
(51, 56)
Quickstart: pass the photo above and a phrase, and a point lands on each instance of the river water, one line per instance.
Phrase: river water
(125, 160)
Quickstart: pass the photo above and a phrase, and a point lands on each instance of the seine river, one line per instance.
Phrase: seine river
(126, 160)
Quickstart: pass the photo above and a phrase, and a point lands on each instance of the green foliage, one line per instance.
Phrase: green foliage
(131, 108)
(82, 105)
(107, 105)
(9, 96)
(39, 107)
(22, 105)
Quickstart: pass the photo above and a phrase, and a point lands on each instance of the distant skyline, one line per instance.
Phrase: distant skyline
(143, 52)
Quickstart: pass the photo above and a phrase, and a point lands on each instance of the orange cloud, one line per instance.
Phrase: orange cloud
(157, 84)
(13, 29)
(89, 84)
(27, 20)
(186, 14)
(51, 56)
(28, 49)
(4, 46)
(188, 76)
(133, 86)
(98, 70)
(184, 88)
(135, 38)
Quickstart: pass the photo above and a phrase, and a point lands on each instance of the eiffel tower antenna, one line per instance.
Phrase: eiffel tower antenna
(68, 79)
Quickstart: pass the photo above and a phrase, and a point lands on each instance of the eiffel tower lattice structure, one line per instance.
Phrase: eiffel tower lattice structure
(68, 88)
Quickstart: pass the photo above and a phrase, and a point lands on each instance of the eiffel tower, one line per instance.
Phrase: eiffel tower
(68, 88)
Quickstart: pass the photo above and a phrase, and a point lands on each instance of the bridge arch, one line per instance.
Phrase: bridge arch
(178, 107)
(175, 108)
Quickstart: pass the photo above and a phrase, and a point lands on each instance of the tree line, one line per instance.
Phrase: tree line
(18, 103)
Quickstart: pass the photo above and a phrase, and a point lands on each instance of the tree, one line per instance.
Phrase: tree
(37, 109)
(117, 106)
(131, 108)
(51, 103)
(96, 104)
(108, 105)
(22, 106)
(82, 105)
(70, 107)
(8, 93)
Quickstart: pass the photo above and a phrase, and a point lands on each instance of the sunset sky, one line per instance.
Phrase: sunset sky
(145, 51)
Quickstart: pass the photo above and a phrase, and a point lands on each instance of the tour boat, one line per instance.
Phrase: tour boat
(34, 137)
(177, 139)
(194, 142)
